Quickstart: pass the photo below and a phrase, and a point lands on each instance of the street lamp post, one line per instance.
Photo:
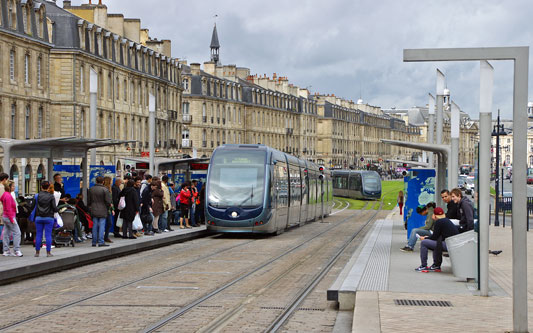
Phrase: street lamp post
(497, 131)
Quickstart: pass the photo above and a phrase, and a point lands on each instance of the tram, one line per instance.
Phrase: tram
(357, 184)
(258, 189)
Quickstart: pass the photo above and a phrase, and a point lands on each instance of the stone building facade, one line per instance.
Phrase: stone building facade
(46, 56)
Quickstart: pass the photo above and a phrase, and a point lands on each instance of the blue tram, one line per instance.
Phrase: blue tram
(257, 189)
(357, 184)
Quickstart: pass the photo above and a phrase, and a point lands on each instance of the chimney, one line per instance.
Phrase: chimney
(195, 69)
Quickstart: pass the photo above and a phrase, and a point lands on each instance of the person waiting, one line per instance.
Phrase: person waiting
(44, 218)
(425, 230)
(452, 211)
(466, 211)
(443, 229)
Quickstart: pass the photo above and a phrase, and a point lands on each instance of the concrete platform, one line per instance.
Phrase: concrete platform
(450, 304)
(16, 269)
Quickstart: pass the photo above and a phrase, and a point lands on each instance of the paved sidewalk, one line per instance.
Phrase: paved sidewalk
(15, 269)
(378, 311)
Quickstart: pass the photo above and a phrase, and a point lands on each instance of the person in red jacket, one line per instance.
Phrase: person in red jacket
(185, 203)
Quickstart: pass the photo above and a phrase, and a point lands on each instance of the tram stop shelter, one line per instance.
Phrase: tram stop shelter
(443, 151)
(50, 148)
(172, 164)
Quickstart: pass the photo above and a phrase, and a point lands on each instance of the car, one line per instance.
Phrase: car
(469, 186)
(461, 183)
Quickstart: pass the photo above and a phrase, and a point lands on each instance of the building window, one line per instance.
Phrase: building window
(109, 127)
(12, 65)
(13, 121)
(125, 91)
(39, 70)
(82, 79)
(204, 113)
(40, 116)
(185, 84)
(27, 116)
(82, 123)
(109, 86)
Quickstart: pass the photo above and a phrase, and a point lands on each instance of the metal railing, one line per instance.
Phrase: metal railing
(505, 206)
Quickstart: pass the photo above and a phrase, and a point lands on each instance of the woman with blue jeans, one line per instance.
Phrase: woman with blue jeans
(45, 207)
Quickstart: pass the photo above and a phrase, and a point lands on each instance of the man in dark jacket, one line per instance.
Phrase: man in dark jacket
(99, 202)
(59, 187)
(442, 229)
(452, 211)
(115, 195)
(466, 211)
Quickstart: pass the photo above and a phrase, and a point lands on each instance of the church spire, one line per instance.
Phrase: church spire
(215, 46)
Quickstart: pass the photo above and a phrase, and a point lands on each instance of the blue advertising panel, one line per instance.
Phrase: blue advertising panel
(71, 178)
(101, 170)
(419, 185)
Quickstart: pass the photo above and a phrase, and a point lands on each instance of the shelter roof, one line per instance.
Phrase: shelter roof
(56, 147)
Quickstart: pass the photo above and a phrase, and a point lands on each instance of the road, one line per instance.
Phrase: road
(507, 187)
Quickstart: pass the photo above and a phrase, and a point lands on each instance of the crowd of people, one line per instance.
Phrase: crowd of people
(129, 208)
(439, 226)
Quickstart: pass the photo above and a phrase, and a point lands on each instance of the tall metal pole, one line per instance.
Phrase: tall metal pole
(454, 142)
(486, 78)
(520, 294)
(497, 173)
(431, 127)
(151, 129)
(441, 163)
(93, 90)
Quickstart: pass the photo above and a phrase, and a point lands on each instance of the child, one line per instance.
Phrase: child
(11, 226)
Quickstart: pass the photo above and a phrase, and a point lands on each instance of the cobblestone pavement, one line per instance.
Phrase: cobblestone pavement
(163, 280)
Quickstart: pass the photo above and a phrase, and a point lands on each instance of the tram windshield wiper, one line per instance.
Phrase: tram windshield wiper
(250, 197)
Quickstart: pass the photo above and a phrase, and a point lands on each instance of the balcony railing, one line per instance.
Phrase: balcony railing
(186, 143)
(187, 118)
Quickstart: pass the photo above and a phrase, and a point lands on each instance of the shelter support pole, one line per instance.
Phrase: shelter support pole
(441, 178)
(520, 293)
(92, 108)
(7, 157)
(84, 176)
(485, 120)
(50, 169)
(23, 162)
(431, 138)
(151, 131)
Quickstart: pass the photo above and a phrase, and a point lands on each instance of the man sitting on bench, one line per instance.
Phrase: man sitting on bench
(442, 229)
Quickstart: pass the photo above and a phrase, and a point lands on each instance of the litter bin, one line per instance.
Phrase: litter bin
(462, 249)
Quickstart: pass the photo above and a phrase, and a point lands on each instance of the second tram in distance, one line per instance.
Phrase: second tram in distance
(258, 189)
(357, 184)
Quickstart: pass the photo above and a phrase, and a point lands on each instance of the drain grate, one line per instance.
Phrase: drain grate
(310, 309)
(420, 302)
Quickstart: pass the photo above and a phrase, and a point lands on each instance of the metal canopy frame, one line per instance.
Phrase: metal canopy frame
(520, 56)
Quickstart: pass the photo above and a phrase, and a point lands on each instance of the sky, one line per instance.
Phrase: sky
(350, 48)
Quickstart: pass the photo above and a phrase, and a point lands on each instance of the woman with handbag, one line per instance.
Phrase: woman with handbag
(45, 207)
(132, 208)
(157, 204)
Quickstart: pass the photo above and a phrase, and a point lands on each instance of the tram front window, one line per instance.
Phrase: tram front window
(372, 183)
(237, 179)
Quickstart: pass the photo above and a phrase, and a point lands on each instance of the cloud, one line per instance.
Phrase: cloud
(344, 46)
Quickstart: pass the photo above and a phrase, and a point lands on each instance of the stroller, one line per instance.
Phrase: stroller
(65, 234)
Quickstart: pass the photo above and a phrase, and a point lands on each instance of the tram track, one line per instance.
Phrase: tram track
(115, 288)
(293, 306)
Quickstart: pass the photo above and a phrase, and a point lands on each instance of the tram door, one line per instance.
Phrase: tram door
(304, 193)
(282, 192)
